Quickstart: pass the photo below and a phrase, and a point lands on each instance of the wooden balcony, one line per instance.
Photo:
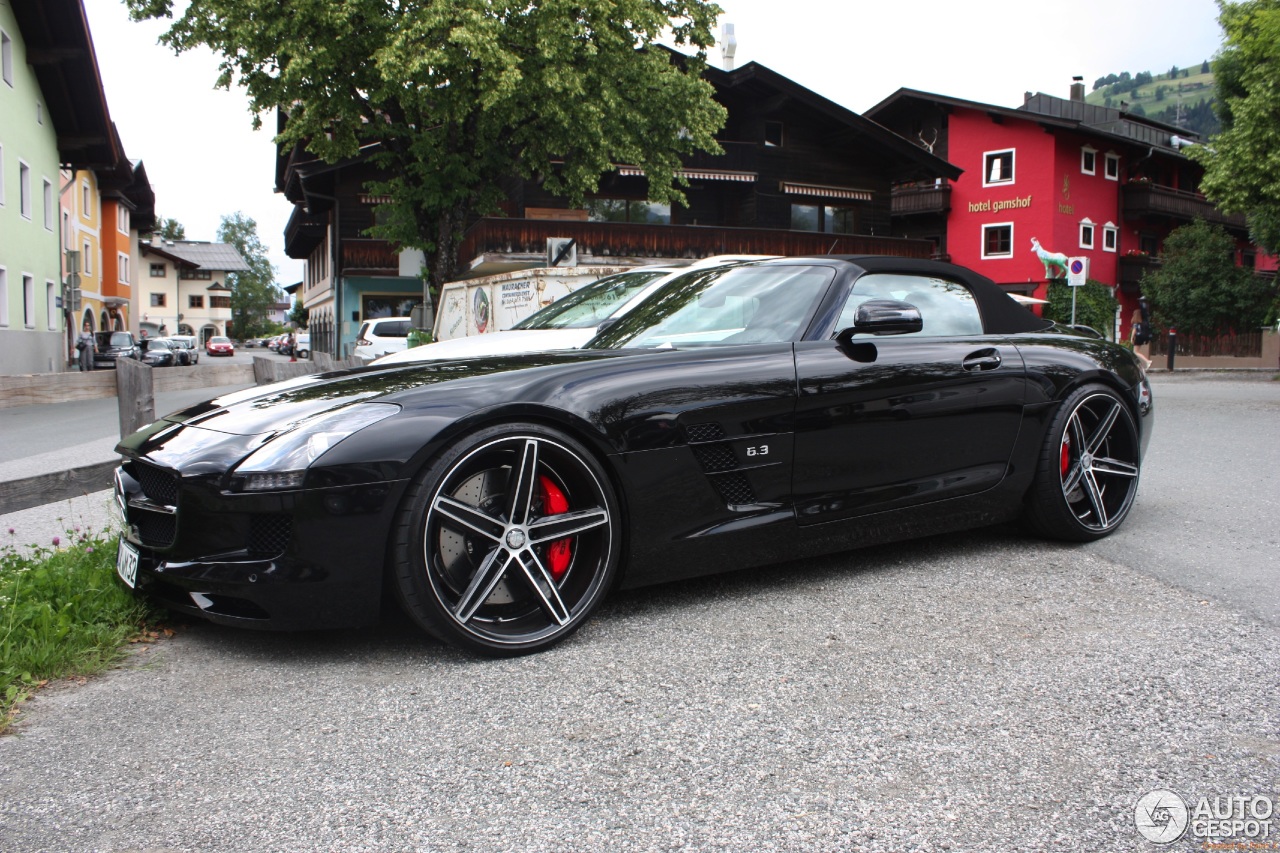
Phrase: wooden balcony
(1132, 268)
(369, 257)
(603, 243)
(1152, 200)
(913, 200)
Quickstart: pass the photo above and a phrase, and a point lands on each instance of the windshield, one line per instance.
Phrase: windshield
(158, 345)
(589, 306)
(724, 305)
(115, 339)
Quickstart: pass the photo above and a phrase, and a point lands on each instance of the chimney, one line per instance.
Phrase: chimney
(728, 46)
(1077, 89)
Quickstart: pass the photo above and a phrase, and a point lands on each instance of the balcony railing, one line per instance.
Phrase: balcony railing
(369, 257)
(604, 240)
(911, 200)
(1143, 199)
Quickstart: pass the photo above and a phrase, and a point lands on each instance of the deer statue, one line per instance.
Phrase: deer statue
(1049, 259)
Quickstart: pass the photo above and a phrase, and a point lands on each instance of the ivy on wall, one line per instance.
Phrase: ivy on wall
(1095, 305)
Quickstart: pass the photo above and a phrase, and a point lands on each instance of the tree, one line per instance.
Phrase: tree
(1241, 163)
(253, 293)
(452, 99)
(1199, 290)
(1095, 305)
(1204, 67)
(170, 229)
(300, 315)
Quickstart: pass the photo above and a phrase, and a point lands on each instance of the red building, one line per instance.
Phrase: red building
(1081, 180)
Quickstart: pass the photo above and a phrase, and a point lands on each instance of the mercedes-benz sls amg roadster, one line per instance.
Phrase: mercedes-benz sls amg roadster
(743, 415)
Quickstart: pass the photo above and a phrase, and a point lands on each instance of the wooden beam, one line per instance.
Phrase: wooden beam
(44, 489)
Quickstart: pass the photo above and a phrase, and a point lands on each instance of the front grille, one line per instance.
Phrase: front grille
(716, 457)
(734, 488)
(157, 484)
(704, 432)
(269, 534)
(155, 529)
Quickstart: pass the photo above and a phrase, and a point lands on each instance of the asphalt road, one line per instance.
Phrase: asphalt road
(978, 692)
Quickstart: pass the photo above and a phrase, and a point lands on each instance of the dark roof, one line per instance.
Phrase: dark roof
(60, 51)
(913, 160)
(1049, 111)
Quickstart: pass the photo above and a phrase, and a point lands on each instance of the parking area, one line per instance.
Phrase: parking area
(985, 691)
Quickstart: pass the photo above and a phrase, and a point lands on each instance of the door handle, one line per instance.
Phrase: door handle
(987, 359)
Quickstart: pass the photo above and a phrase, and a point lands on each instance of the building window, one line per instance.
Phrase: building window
(48, 204)
(158, 270)
(28, 302)
(122, 219)
(51, 304)
(85, 195)
(1150, 244)
(997, 240)
(1088, 161)
(773, 134)
(827, 218)
(86, 259)
(4, 297)
(157, 300)
(24, 190)
(1112, 167)
(6, 57)
(1110, 237)
(195, 301)
(122, 261)
(1086, 234)
(997, 167)
(39, 113)
(627, 210)
(219, 301)
(195, 275)
(66, 231)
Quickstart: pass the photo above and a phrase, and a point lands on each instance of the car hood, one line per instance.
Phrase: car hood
(270, 409)
(494, 343)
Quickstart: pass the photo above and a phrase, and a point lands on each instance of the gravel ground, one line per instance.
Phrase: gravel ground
(968, 693)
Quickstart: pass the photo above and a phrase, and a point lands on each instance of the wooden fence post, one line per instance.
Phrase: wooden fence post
(136, 394)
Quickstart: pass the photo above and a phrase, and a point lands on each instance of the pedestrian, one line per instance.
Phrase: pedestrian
(293, 346)
(86, 346)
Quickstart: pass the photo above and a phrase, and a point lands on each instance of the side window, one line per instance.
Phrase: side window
(947, 307)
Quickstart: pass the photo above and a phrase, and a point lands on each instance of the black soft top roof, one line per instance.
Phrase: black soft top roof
(1001, 314)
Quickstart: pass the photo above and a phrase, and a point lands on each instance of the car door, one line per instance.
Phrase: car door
(893, 421)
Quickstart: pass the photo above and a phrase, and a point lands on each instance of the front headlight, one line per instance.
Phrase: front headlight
(282, 462)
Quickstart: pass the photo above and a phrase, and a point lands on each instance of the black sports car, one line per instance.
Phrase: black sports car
(743, 415)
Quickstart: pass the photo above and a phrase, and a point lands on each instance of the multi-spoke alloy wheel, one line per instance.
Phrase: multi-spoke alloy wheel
(1088, 473)
(509, 541)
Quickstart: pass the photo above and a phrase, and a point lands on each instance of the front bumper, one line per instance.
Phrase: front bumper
(276, 561)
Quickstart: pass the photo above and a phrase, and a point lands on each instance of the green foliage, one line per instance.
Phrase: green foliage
(455, 98)
(1095, 305)
(62, 613)
(253, 293)
(300, 315)
(1243, 161)
(170, 229)
(1198, 288)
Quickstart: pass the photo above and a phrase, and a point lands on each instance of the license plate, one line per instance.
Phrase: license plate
(127, 563)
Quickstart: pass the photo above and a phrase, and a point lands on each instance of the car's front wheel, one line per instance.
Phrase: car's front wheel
(1088, 470)
(508, 541)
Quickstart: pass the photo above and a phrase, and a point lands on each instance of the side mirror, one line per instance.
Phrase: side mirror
(883, 317)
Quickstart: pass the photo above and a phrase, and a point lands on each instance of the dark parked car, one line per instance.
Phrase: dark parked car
(113, 346)
(161, 352)
(187, 348)
(741, 416)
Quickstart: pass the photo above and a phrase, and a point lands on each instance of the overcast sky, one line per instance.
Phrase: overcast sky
(205, 161)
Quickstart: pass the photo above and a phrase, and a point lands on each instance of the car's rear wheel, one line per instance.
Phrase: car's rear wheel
(1088, 470)
(508, 541)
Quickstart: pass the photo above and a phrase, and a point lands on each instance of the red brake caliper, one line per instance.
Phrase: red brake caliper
(1066, 454)
(560, 551)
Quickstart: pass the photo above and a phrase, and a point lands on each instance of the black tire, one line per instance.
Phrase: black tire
(1087, 476)
(508, 541)
(304, 353)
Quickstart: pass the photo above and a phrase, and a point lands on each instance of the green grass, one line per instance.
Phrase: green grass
(62, 614)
